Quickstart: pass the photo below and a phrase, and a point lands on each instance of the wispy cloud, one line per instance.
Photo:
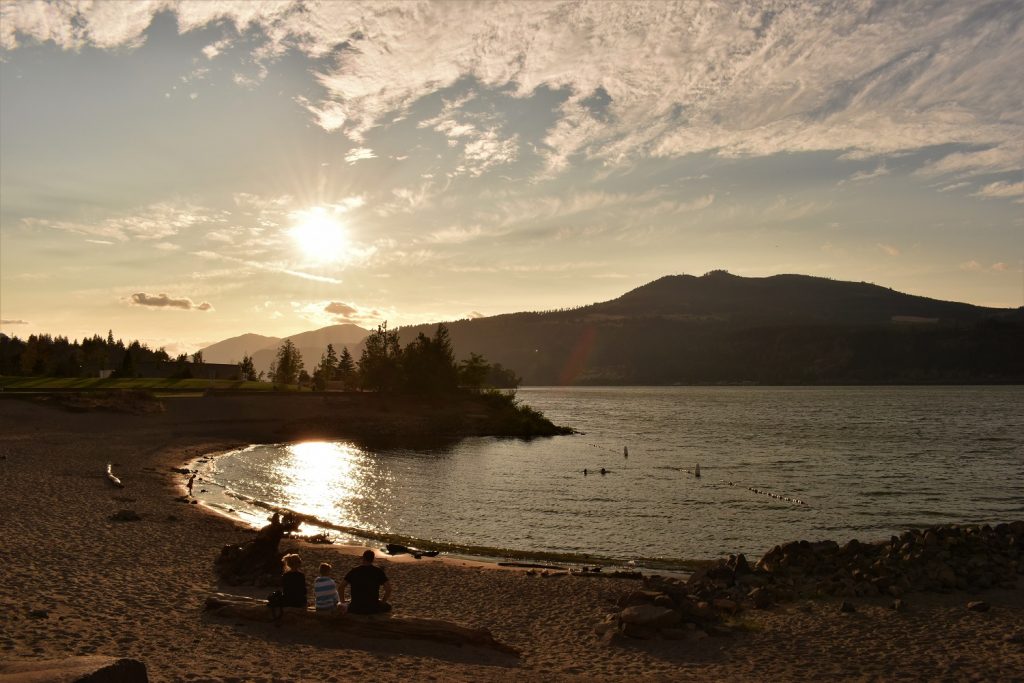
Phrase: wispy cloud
(14, 322)
(1001, 189)
(735, 79)
(889, 249)
(164, 301)
(359, 154)
(155, 222)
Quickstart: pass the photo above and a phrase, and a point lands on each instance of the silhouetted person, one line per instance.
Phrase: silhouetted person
(189, 484)
(625, 451)
(604, 471)
(293, 582)
(584, 471)
(366, 580)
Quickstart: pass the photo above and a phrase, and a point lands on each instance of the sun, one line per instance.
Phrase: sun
(319, 235)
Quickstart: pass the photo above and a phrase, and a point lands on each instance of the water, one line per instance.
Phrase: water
(866, 462)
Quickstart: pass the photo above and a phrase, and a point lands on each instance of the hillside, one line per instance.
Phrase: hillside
(264, 349)
(784, 329)
(721, 328)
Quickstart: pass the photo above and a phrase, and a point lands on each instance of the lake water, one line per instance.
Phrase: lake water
(865, 462)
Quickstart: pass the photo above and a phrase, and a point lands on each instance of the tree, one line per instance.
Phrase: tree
(429, 365)
(248, 368)
(473, 371)
(197, 357)
(380, 364)
(325, 369)
(286, 366)
(346, 370)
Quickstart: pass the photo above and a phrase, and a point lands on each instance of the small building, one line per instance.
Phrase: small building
(176, 369)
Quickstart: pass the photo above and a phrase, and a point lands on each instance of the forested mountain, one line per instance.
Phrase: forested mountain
(785, 329)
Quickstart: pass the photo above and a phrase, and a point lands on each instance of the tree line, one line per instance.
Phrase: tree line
(425, 365)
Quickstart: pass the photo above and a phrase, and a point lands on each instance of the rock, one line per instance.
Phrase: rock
(650, 615)
(761, 598)
(978, 606)
(604, 627)
(675, 633)
(641, 597)
(95, 669)
(39, 614)
(847, 607)
(125, 516)
(614, 638)
(639, 631)
(726, 605)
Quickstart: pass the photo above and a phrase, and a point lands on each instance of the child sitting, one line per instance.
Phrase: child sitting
(325, 591)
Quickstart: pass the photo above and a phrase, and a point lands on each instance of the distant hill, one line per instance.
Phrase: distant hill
(722, 328)
(310, 344)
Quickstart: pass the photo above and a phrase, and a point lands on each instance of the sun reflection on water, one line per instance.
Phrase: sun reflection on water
(331, 481)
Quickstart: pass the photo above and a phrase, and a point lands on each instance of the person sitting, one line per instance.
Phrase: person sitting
(293, 583)
(325, 591)
(366, 581)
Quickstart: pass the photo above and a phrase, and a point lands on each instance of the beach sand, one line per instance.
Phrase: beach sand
(136, 589)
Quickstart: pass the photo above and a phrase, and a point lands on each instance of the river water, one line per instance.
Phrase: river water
(853, 462)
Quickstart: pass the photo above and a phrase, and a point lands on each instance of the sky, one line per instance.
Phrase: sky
(185, 172)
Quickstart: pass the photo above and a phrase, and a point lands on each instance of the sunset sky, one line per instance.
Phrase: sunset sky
(183, 172)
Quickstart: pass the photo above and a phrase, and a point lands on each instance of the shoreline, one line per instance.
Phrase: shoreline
(136, 589)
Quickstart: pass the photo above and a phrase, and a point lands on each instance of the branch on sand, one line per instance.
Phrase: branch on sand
(375, 626)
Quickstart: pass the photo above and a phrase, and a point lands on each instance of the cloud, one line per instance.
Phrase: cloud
(154, 222)
(1000, 267)
(163, 301)
(1000, 189)
(14, 322)
(868, 175)
(733, 79)
(970, 265)
(889, 249)
(359, 154)
(339, 309)
(473, 315)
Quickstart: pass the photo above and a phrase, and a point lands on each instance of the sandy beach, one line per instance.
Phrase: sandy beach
(75, 583)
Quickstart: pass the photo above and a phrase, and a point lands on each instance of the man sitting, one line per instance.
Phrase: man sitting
(366, 581)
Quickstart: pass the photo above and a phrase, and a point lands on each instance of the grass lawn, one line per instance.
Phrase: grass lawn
(152, 384)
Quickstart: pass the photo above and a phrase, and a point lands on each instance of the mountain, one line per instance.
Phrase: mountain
(232, 350)
(310, 344)
(721, 328)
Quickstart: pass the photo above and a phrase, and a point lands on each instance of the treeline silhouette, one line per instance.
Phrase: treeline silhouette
(56, 356)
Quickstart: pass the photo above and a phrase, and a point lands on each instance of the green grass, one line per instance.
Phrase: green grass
(152, 384)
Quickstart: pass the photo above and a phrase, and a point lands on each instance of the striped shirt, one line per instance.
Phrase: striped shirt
(326, 593)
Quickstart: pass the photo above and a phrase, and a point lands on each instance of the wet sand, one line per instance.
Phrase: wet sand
(136, 589)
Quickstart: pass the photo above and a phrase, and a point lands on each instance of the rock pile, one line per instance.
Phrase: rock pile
(940, 558)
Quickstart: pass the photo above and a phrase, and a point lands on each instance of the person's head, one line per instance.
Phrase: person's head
(325, 569)
(292, 562)
(368, 557)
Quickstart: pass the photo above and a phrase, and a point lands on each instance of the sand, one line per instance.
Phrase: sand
(136, 589)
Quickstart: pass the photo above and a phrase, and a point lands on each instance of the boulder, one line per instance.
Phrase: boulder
(978, 606)
(649, 615)
(94, 669)
(761, 598)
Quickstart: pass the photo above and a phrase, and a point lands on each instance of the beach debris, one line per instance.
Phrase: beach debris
(39, 614)
(125, 516)
(397, 549)
(530, 565)
(391, 627)
(321, 538)
(110, 476)
(181, 470)
(978, 606)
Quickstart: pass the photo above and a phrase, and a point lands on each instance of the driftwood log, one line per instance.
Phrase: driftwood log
(375, 626)
(259, 560)
(110, 475)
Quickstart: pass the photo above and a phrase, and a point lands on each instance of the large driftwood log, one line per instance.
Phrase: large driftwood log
(375, 626)
(257, 559)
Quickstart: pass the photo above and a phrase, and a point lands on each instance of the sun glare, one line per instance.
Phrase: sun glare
(319, 235)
